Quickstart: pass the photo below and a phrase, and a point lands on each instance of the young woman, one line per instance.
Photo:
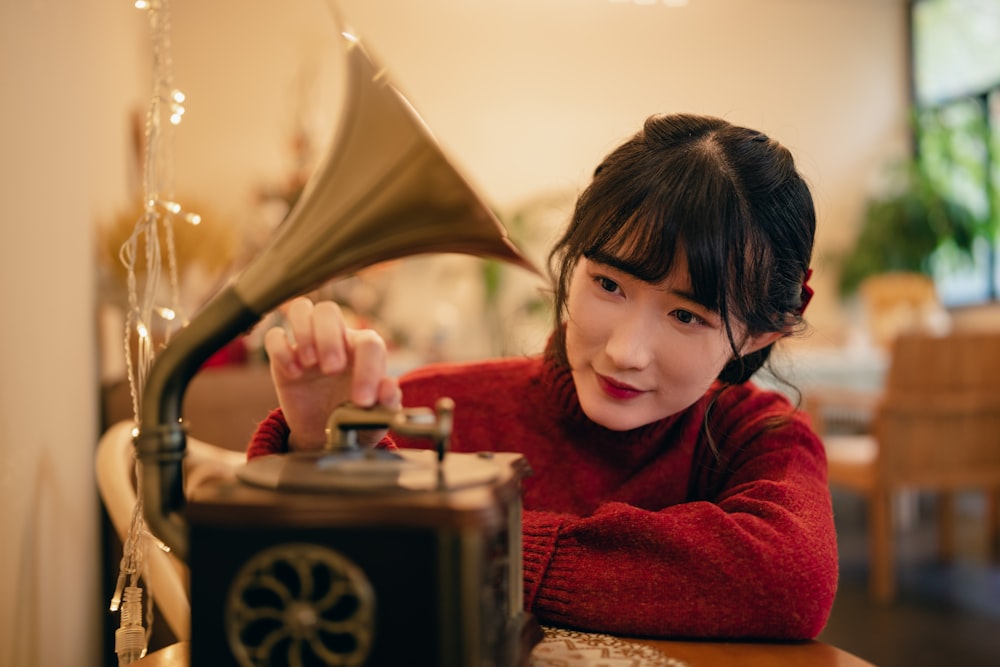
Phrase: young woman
(670, 496)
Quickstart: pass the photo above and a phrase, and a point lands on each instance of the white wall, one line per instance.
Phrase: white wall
(66, 69)
(527, 95)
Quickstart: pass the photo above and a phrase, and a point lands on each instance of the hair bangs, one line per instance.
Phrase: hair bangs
(693, 207)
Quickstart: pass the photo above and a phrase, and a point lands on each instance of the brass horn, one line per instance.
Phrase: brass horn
(385, 191)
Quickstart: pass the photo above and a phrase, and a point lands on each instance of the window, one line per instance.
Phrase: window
(956, 97)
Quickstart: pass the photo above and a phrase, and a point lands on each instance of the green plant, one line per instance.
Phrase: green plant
(902, 230)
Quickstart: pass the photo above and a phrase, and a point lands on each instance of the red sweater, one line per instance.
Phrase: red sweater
(648, 532)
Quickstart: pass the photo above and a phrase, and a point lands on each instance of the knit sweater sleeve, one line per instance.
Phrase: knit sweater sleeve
(753, 557)
(270, 437)
(673, 544)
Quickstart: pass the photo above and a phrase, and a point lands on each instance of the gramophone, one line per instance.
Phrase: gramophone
(348, 556)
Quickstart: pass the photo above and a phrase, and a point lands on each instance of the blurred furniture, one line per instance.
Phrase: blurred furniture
(899, 302)
(934, 426)
(222, 405)
(165, 576)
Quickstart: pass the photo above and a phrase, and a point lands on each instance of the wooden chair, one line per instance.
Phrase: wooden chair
(934, 427)
(165, 576)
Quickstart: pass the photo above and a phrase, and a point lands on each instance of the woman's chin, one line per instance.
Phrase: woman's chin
(613, 417)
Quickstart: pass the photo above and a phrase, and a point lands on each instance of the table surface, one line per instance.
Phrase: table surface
(667, 654)
(742, 654)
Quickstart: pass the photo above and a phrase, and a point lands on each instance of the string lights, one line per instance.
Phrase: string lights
(146, 316)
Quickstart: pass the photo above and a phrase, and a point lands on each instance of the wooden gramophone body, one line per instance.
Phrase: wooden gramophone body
(423, 571)
(330, 573)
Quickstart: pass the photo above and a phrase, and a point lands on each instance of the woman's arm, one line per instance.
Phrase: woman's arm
(758, 561)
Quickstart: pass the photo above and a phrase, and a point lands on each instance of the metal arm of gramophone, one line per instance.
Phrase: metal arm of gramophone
(385, 191)
(347, 420)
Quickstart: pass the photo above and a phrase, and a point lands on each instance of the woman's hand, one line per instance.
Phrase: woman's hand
(318, 363)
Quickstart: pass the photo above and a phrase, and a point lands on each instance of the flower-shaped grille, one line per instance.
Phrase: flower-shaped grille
(300, 605)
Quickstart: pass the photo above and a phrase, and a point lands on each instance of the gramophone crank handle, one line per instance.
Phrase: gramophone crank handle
(349, 418)
(437, 428)
(418, 422)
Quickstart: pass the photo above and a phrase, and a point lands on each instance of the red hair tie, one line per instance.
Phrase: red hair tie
(807, 292)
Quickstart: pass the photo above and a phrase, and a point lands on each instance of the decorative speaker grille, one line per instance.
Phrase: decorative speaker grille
(300, 605)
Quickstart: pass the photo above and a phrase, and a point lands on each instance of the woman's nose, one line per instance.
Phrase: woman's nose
(629, 342)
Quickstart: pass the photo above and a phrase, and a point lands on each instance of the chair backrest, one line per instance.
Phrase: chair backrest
(166, 576)
(898, 302)
(939, 421)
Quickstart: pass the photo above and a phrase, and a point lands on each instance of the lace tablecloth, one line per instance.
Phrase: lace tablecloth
(569, 648)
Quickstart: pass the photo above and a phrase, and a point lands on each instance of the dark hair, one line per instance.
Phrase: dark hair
(728, 197)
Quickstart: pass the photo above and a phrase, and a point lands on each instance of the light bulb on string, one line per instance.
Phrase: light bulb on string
(176, 106)
(144, 317)
(175, 209)
(156, 542)
(155, 207)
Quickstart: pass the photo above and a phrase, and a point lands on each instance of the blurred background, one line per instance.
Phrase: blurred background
(889, 106)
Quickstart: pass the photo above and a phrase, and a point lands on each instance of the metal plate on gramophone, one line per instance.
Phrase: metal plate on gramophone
(300, 604)
(369, 470)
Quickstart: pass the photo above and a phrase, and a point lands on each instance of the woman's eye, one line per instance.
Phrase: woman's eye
(687, 317)
(607, 284)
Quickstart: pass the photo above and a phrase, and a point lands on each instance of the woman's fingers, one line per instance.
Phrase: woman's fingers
(312, 338)
(318, 363)
(280, 353)
(328, 331)
(324, 342)
(390, 394)
(299, 321)
(368, 353)
(316, 341)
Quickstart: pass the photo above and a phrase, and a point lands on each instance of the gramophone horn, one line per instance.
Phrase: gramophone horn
(385, 191)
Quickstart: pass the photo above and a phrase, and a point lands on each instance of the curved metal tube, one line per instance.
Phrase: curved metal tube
(162, 440)
(385, 191)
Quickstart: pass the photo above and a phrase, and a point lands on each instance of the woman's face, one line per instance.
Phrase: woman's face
(640, 352)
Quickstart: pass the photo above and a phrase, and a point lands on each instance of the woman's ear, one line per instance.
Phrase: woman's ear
(760, 341)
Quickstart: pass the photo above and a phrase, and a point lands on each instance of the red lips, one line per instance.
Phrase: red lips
(617, 390)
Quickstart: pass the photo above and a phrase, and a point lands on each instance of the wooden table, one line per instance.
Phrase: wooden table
(743, 654)
(689, 654)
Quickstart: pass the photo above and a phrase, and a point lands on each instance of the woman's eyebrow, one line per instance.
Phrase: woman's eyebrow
(632, 269)
(607, 259)
(689, 295)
